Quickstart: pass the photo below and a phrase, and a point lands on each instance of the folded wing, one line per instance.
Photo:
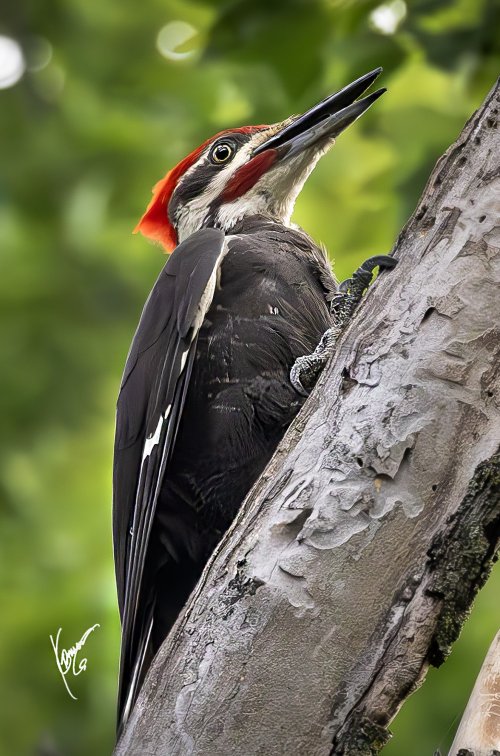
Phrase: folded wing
(149, 409)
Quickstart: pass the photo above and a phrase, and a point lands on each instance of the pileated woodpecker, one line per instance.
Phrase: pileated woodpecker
(224, 354)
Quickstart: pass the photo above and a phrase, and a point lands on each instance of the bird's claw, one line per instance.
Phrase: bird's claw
(351, 290)
(306, 369)
(363, 275)
(299, 367)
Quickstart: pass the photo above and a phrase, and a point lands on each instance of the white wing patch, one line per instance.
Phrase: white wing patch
(203, 307)
(154, 440)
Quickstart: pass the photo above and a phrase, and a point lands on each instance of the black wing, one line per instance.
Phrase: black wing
(149, 408)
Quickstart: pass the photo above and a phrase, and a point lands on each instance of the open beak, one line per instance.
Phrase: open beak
(324, 121)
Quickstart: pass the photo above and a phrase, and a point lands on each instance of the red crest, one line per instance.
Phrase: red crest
(155, 223)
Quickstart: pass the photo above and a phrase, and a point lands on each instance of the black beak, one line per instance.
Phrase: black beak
(326, 120)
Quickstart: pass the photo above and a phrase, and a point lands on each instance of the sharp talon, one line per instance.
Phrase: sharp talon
(388, 264)
(309, 366)
(295, 379)
(351, 291)
(384, 262)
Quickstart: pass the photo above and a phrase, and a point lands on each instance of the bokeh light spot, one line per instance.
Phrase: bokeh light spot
(175, 35)
(386, 18)
(38, 53)
(12, 64)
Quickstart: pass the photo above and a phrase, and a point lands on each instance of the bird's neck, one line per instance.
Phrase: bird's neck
(229, 216)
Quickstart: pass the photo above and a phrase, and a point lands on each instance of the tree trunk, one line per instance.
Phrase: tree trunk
(479, 731)
(354, 560)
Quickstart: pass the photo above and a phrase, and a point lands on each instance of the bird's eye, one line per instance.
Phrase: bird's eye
(222, 152)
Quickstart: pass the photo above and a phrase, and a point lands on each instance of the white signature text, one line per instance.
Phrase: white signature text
(67, 658)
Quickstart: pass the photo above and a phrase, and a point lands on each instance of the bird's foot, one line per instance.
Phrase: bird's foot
(352, 289)
(306, 369)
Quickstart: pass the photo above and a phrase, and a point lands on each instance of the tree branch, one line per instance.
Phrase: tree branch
(356, 557)
(480, 725)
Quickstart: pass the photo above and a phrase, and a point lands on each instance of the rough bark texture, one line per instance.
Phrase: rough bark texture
(356, 557)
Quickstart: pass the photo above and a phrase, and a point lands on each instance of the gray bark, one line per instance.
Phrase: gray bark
(480, 725)
(355, 559)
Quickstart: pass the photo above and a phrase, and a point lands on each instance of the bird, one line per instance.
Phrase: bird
(233, 335)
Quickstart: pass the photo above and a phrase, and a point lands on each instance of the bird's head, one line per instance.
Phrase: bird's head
(254, 170)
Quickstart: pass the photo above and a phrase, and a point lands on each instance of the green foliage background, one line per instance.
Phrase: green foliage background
(82, 140)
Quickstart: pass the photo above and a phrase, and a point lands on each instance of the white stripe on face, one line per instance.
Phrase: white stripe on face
(192, 215)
